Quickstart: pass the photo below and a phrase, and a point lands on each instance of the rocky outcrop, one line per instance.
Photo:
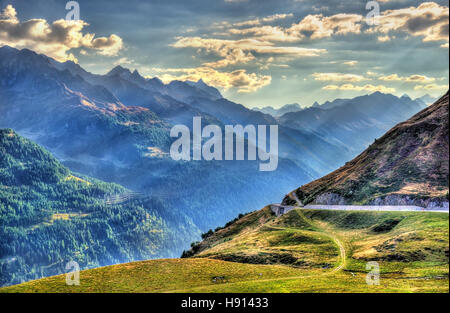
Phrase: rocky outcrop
(430, 203)
(329, 198)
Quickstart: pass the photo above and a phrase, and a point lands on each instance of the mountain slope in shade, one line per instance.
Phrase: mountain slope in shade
(115, 127)
(353, 123)
(427, 99)
(106, 137)
(408, 165)
(56, 103)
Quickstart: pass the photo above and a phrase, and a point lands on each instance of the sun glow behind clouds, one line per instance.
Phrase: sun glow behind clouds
(256, 53)
(263, 42)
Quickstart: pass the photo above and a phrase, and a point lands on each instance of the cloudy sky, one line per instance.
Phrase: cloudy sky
(257, 52)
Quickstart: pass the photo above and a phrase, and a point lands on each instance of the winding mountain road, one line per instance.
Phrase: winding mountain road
(400, 208)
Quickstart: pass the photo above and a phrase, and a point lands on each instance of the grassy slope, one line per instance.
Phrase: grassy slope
(411, 248)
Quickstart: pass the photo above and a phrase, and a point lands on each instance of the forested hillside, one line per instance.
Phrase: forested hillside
(49, 216)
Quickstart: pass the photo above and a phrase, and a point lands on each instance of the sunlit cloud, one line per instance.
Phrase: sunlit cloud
(267, 19)
(368, 87)
(384, 38)
(411, 79)
(55, 39)
(123, 61)
(241, 80)
(428, 20)
(338, 77)
(431, 87)
(241, 51)
(351, 63)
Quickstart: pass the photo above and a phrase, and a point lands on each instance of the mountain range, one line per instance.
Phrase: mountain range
(302, 250)
(116, 128)
(354, 123)
(113, 133)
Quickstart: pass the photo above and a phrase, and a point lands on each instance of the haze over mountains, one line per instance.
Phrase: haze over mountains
(287, 108)
(354, 123)
(115, 127)
(134, 97)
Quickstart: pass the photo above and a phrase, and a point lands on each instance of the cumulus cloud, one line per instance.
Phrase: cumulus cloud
(241, 51)
(368, 87)
(241, 80)
(313, 26)
(265, 44)
(267, 19)
(429, 20)
(410, 79)
(338, 77)
(9, 13)
(319, 26)
(431, 87)
(55, 39)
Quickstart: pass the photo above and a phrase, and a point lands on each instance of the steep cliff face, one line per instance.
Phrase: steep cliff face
(407, 166)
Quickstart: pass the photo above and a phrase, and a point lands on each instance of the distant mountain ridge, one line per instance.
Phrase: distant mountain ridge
(122, 91)
(427, 99)
(409, 165)
(108, 127)
(104, 125)
(353, 123)
(287, 108)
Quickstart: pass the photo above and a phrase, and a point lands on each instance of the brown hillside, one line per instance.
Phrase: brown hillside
(408, 165)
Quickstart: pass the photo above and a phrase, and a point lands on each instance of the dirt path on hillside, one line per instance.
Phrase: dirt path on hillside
(324, 231)
(330, 234)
